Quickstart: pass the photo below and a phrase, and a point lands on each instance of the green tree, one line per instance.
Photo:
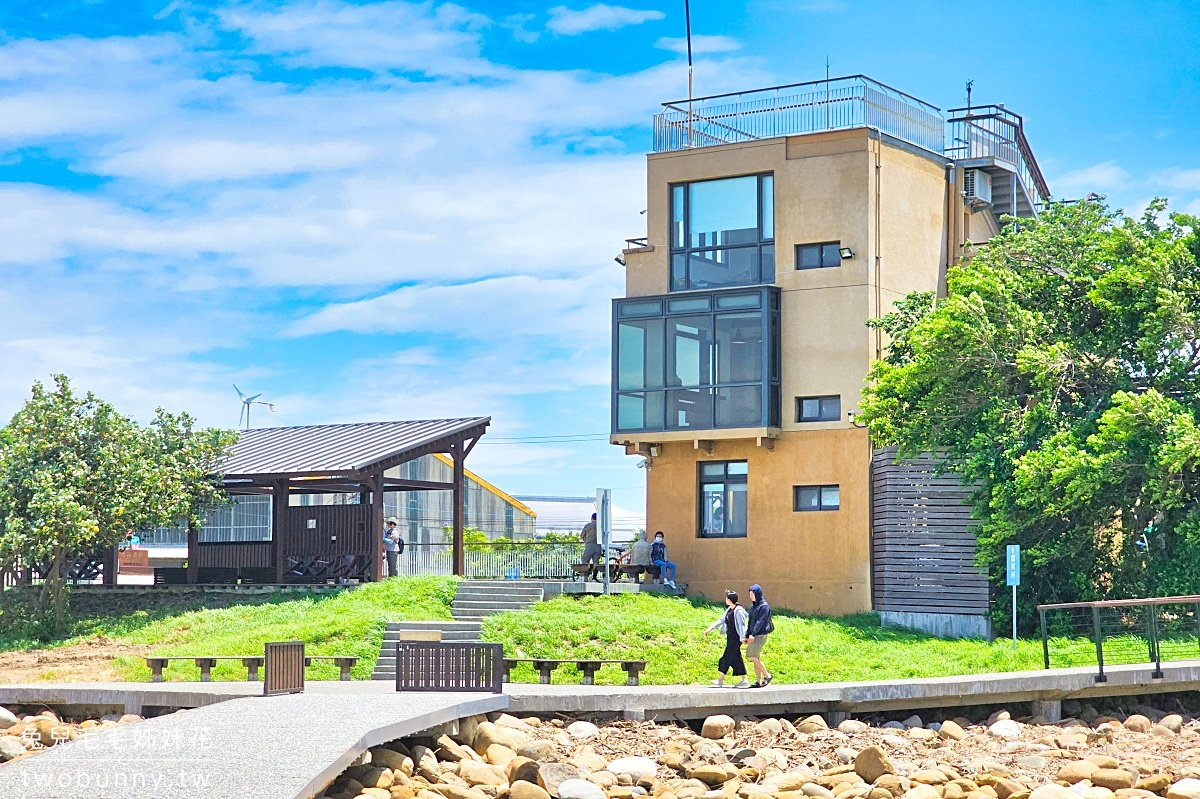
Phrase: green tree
(77, 477)
(186, 462)
(1061, 374)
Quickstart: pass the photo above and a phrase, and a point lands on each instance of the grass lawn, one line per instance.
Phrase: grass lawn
(668, 633)
(340, 623)
(665, 631)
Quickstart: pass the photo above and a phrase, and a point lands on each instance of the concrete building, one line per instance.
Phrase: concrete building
(778, 222)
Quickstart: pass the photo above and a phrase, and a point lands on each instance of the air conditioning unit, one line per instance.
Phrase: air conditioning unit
(977, 185)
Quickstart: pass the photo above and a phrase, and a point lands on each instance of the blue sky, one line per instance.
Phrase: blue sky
(400, 210)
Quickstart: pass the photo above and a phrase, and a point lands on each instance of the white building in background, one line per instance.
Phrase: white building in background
(568, 515)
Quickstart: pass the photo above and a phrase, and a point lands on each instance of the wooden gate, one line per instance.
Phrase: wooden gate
(284, 663)
(454, 666)
(328, 542)
(923, 539)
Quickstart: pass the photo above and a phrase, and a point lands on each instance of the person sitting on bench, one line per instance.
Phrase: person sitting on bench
(639, 551)
(658, 556)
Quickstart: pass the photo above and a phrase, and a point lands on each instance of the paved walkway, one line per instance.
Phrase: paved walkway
(690, 701)
(234, 745)
(282, 747)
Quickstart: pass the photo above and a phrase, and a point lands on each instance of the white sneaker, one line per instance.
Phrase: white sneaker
(743, 684)
(718, 684)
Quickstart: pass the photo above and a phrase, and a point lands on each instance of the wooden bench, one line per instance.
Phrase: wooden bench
(252, 664)
(589, 668)
(635, 572)
(343, 663)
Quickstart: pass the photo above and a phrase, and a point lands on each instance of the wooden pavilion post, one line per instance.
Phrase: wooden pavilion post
(279, 526)
(111, 561)
(193, 558)
(458, 453)
(377, 522)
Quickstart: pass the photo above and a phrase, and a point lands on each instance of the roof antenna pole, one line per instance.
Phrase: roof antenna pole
(687, 16)
(828, 120)
(970, 83)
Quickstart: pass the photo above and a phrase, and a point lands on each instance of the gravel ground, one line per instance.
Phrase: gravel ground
(1149, 752)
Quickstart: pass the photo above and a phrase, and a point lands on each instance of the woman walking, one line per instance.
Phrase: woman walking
(759, 628)
(734, 623)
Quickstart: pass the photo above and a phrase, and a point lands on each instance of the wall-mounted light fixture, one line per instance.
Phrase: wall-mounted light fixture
(619, 260)
(846, 253)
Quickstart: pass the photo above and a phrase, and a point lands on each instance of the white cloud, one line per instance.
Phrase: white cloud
(1178, 179)
(230, 208)
(701, 44)
(1102, 177)
(568, 22)
(420, 37)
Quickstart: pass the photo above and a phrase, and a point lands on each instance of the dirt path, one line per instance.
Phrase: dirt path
(90, 662)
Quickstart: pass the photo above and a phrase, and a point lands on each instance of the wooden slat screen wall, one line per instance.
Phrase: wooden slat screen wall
(923, 539)
(454, 666)
(235, 554)
(284, 672)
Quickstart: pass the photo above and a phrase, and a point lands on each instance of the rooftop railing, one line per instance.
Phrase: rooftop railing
(992, 131)
(853, 101)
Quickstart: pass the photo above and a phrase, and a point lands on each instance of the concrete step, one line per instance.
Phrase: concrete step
(390, 641)
(466, 605)
(456, 624)
(520, 596)
(479, 613)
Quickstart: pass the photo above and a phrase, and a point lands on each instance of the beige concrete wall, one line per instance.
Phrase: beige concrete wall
(815, 562)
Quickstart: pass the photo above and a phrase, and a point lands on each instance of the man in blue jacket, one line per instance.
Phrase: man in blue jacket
(759, 628)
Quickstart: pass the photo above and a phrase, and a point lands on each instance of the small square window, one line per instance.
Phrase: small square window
(818, 256)
(819, 409)
(816, 498)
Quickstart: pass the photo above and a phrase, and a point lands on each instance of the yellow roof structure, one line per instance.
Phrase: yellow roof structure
(516, 503)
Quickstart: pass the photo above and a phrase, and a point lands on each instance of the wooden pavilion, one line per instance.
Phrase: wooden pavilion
(319, 543)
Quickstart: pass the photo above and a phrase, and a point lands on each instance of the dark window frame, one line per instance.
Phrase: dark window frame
(821, 415)
(822, 247)
(821, 506)
(725, 479)
(768, 305)
(686, 250)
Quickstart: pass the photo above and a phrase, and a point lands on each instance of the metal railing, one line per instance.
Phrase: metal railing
(838, 103)
(1122, 631)
(992, 131)
(495, 560)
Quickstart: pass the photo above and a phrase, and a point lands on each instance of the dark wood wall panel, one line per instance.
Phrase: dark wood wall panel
(334, 530)
(923, 539)
(235, 555)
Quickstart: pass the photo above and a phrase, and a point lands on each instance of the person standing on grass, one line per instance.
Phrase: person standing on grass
(658, 556)
(759, 628)
(733, 622)
(591, 548)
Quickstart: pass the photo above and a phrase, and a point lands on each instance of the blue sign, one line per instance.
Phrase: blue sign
(1013, 567)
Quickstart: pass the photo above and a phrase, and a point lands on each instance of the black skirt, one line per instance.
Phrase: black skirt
(731, 658)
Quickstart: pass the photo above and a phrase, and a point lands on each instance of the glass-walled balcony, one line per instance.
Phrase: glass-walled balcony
(696, 361)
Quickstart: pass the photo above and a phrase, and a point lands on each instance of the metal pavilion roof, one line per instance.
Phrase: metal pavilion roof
(337, 448)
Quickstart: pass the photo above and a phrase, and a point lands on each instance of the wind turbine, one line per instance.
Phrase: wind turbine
(246, 403)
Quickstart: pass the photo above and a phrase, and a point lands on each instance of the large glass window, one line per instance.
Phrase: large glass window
(723, 499)
(705, 361)
(722, 233)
